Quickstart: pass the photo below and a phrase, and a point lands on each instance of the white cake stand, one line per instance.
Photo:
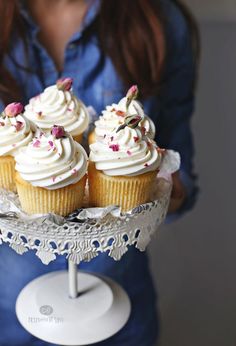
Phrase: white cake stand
(83, 311)
(77, 308)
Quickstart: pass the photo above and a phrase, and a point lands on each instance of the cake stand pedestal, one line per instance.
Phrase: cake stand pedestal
(71, 307)
(80, 311)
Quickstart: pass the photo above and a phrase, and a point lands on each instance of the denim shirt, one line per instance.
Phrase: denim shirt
(97, 83)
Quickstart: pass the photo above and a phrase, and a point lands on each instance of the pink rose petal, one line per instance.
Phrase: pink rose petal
(58, 131)
(18, 125)
(114, 147)
(36, 143)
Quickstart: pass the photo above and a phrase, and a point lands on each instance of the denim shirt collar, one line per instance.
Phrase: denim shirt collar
(91, 14)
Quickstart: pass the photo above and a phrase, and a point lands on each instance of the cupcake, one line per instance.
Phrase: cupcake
(51, 173)
(58, 105)
(123, 167)
(15, 132)
(114, 115)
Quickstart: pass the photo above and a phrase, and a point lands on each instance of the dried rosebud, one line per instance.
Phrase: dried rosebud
(58, 131)
(131, 121)
(131, 95)
(121, 127)
(64, 84)
(13, 109)
(132, 92)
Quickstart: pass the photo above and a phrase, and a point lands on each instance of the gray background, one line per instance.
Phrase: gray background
(194, 260)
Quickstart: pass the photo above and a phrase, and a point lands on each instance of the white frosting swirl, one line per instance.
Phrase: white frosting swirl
(114, 115)
(59, 107)
(15, 132)
(52, 163)
(126, 153)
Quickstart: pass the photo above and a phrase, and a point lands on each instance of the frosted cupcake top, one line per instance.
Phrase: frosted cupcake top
(52, 161)
(15, 129)
(114, 115)
(127, 151)
(58, 105)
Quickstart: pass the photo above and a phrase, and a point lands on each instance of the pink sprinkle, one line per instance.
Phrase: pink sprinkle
(136, 139)
(36, 144)
(129, 152)
(39, 114)
(120, 113)
(114, 147)
(69, 109)
(51, 144)
(13, 145)
(41, 134)
(18, 125)
(146, 165)
(74, 171)
(53, 179)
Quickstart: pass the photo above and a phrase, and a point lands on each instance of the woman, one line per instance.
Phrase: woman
(105, 46)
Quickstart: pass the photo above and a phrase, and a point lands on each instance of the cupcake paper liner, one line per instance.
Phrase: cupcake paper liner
(127, 192)
(91, 137)
(38, 200)
(7, 173)
(78, 138)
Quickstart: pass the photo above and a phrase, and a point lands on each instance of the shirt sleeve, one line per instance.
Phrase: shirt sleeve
(177, 103)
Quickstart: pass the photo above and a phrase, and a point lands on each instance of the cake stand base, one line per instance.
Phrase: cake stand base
(45, 310)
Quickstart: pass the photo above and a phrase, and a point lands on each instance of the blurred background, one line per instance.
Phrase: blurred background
(194, 259)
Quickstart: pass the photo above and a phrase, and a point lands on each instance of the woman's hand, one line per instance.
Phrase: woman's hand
(178, 193)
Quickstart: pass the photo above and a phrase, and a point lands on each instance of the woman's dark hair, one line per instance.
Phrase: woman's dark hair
(134, 39)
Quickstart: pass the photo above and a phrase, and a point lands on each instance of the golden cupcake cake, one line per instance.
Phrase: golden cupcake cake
(51, 173)
(57, 104)
(15, 132)
(114, 115)
(123, 166)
